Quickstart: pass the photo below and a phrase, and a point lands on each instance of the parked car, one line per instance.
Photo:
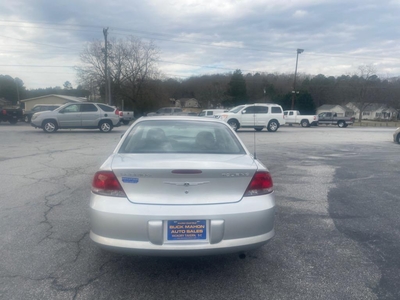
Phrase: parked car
(170, 111)
(257, 116)
(78, 115)
(396, 136)
(10, 114)
(295, 117)
(210, 113)
(177, 186)
(38, 107)
(330, 118)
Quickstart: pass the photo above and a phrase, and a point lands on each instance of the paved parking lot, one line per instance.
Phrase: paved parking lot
(337, 229)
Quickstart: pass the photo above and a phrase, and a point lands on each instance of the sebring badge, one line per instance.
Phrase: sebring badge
(236, 174)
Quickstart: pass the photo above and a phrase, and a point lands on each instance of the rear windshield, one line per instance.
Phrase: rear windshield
(276, 110)
(106, 107)
(173, 136)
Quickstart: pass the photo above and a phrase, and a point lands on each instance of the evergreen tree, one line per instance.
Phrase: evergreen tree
(237, 88)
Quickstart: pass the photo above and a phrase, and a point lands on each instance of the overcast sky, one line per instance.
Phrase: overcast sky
(40, 40)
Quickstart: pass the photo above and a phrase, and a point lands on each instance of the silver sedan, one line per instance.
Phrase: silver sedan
(181, 186)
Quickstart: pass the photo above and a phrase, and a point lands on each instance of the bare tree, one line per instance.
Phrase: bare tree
(131, 63)
(365, 86)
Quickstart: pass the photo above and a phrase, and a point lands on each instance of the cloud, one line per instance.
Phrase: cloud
(254, 35)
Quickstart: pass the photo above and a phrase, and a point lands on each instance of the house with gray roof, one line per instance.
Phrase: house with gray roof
(373, 111)
(341, 111)
(50, 99)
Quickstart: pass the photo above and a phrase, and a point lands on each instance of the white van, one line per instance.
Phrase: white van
(211, 112)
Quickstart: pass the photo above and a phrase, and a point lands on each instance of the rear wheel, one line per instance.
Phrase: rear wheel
(50, 126)
(341, 124)
(27, 119)
(234, 124)
(13, 121)
(305, 123)
(105, 126)
(258, 128)
(273, 126)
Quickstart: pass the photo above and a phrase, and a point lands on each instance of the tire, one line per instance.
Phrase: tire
(398, 139)
(234, 124)
(341, 124)
(273, 126)
(13, 121)
(305, 123)
(49, 126)
(27, 119)
(258, 128)
(105, 126)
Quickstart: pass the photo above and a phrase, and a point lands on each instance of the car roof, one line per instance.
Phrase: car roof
(180, 118)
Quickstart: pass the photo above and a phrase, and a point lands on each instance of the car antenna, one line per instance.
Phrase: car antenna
(254, 136)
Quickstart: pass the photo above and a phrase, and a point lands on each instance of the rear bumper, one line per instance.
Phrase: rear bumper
(121, 226)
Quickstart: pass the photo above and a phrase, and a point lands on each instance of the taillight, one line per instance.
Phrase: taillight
(106, 183)
(117, 112)
(261, 184)
(121, 114)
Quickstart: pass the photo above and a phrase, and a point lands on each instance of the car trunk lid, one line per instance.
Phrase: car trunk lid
(183, 178)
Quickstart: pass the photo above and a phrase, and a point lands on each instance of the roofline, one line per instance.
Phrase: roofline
(52, 95)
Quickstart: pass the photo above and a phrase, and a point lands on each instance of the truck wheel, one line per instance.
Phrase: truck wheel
(273, 126)
(50, 126)
(341, 124)
(234, 124)
(27, 119)
(13, 121)
(305, 123)
(258, 128)
(105, 126)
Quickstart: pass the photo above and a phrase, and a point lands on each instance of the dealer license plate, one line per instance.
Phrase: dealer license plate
(187, 230)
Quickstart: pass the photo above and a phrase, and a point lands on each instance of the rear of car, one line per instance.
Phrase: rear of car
(181, 186)
(396, 135)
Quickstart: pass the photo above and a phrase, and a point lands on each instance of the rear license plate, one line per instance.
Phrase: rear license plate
(187, 230)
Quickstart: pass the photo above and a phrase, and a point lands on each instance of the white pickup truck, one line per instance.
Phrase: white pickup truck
(294, 117)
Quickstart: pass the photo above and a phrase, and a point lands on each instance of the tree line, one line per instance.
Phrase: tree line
(136, 82)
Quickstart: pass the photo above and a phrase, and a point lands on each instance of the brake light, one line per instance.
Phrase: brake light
(117, 112)
(106, 183)
(121, 114)
(260, 184)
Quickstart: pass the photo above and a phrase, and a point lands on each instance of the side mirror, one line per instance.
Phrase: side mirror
(243, 111)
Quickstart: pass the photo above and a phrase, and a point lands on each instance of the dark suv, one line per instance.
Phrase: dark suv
(39, 107)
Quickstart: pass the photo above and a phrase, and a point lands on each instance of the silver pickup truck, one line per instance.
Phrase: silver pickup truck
(330, 118)
(170, 111)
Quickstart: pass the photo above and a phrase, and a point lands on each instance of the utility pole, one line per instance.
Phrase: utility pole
(107, 86)
(295, 74)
